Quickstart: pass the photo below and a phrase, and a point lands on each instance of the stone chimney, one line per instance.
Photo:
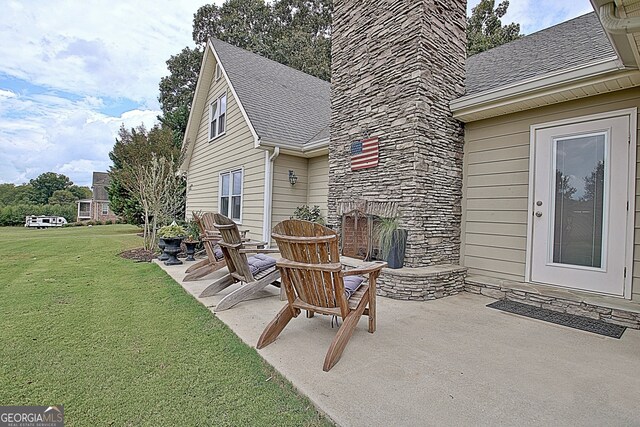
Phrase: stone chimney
(396, 65)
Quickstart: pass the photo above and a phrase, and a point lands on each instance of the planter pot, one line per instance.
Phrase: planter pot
(172, 248)
(398, 246)
(190, 249)
(163, 255)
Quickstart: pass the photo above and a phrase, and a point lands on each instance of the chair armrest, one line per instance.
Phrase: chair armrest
(253, 243)
(258, 251)
(333, 267)
(365, 269)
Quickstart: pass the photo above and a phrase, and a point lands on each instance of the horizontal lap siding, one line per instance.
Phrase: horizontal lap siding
(318, 189)
(231, 151)
(496, 177)
(287, 197)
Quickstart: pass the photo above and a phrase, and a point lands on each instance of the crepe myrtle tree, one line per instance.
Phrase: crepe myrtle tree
(159, 190)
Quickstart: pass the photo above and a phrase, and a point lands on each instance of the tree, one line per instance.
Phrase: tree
(485, 30)
(46, 184)
(81, 192)
(62, 197)
(176, 89)
(11, 194)
(301, 38)
(158, 189)
(243, 23)
(144, 182)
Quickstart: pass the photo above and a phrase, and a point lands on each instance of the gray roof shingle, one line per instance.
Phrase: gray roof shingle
(283, 104)
(566, 45)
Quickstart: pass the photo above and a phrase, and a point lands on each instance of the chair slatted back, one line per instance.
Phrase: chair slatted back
(231, 244)
(206, 225)
(315, 275)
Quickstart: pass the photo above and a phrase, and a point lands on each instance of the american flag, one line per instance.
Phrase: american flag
(364, 154)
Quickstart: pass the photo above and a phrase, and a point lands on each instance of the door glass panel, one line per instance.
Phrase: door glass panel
(579, 199)
(225, 184)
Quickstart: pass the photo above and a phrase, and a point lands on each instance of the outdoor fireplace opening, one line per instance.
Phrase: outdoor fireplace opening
(359, 237)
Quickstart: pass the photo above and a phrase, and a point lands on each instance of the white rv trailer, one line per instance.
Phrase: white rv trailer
(44, 221)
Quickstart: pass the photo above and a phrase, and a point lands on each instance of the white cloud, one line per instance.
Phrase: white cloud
(61, 136)
(70, 57)
(6, 94)
(96, 48)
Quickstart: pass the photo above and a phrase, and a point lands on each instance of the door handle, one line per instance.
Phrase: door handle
(538, 214)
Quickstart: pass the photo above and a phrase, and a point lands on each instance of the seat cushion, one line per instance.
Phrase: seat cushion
(217, 252)
(260, 262)
(351, 284)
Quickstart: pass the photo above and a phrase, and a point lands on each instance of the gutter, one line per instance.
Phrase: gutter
(268, 194)
(614, 25)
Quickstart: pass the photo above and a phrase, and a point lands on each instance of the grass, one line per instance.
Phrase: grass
(120, 343)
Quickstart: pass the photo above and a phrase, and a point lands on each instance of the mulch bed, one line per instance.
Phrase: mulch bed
(138, 255)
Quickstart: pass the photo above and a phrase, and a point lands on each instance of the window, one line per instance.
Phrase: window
(218, 72)
(218, 117)
(231, 195)
(105, 208)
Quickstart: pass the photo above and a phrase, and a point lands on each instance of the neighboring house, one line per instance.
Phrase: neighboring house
(97, 208)
(253, 123)
(548, 172)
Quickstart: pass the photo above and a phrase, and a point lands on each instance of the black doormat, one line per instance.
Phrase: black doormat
(564, 319)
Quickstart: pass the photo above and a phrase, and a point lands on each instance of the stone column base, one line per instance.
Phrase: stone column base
(418, 284)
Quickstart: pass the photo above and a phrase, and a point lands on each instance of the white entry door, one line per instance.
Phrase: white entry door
(579, 206)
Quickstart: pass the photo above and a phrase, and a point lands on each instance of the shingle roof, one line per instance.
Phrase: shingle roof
(566, 45)
(284, 105)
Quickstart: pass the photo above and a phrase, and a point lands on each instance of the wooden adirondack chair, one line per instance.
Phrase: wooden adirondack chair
(210, 238)
(235, 251)
(314, 280)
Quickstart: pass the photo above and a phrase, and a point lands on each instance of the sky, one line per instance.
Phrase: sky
(72, 72)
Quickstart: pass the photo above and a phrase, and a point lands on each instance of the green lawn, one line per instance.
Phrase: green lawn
(120, 343)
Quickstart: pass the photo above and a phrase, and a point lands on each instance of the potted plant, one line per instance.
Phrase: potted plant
(172, 235)
(192, 240)
(392, 241)
(163, 255)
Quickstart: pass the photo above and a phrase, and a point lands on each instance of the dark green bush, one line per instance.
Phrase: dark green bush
(15, 214)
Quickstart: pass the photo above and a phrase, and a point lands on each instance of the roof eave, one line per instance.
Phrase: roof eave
(518, 96)
(309, 149)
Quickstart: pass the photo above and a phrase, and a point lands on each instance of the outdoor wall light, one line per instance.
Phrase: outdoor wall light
(292, 177)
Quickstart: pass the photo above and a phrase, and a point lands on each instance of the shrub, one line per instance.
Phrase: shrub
(308, 214)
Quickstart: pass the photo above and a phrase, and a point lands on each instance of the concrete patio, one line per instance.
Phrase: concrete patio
(447, 362)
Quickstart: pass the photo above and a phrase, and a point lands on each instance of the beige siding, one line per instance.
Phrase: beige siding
(287, 197)
(496, 171)
(318, 188)
(233, 150)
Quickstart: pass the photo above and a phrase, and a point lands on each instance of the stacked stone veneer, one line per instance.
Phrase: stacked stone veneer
(552, 299)
(395, 67)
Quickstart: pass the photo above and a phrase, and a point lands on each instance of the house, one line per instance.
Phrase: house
(257, 139)
(96, 208)
(514, 170)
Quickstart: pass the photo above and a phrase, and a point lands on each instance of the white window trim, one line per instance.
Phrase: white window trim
(218, 73)
(216, 102)
(230, 172)
(102, 208)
